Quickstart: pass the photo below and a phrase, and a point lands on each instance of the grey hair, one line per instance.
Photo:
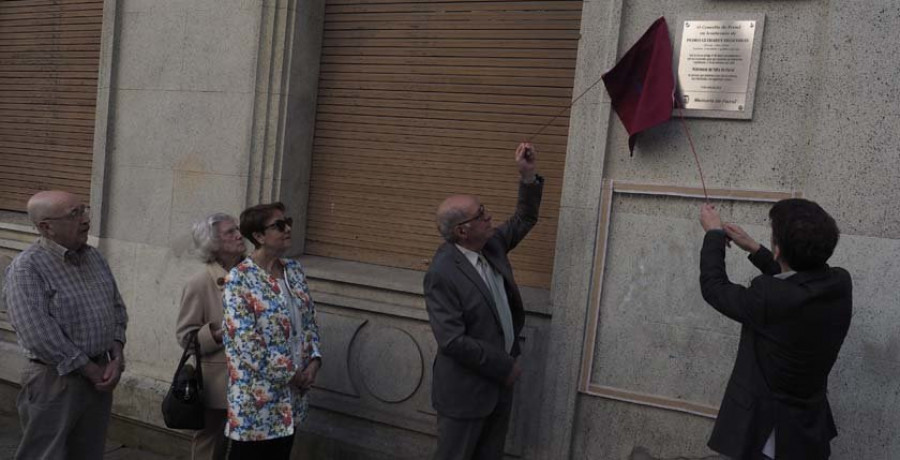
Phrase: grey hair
(206, 235)
(446, 223)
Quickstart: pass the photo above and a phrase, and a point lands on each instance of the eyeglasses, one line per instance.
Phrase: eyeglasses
(281, 224)
(231, 232)
(479, 216)
(74, 214)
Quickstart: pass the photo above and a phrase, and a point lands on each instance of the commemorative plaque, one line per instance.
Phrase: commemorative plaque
(717, 62)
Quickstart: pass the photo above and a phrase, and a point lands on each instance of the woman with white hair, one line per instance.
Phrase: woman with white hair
(221, 246)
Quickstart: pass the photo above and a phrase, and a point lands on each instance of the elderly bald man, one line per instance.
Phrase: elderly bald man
(70, 322)
(476, 314)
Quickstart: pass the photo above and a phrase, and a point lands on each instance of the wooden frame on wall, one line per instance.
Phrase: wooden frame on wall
(610, 188)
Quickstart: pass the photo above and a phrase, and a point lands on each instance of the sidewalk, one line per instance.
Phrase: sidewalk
(10, 432)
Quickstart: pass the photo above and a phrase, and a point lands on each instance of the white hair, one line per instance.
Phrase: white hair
(206, 235)
(446, 223)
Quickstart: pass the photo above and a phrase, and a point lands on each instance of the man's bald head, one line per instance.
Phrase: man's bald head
(60, 217)
(454, 209)
(49, 204)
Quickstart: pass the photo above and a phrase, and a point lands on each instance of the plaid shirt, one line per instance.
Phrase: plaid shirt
(64, 305)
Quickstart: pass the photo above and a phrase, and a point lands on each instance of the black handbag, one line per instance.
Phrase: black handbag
(182, 407)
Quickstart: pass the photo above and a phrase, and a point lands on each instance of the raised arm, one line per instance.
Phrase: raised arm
(732, 300)
(528, 204)
(759, 255)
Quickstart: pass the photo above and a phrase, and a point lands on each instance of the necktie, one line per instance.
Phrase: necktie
(500, 301)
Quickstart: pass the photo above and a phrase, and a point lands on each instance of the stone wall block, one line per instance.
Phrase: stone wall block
(219, 50)
(197, 195)
(570, 295)
(122, 257)
(143, 214)
(152, 350)
(390, 364)
(617, 430)
(584, 160)
(147, 128)
(380, 367)
(151, 49)
(182, 130)
(378, 359)
(337, 333)
(213, 132)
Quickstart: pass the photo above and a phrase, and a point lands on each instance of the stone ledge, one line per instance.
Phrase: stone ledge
(13, 217)
(18, 235)
(136, 434)
(333, 435)
(358, 273)
(372, 306)
(311, 442)
(354, 284)
(15, 235)
(122, 430)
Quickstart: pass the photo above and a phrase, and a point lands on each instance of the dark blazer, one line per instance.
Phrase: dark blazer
(791, 332)
(472, 363)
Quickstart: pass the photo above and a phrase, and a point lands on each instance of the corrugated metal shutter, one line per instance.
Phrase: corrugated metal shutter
(49, 62)
(423, 99)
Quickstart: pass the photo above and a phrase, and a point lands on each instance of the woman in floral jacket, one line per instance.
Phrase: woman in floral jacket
(271, 340)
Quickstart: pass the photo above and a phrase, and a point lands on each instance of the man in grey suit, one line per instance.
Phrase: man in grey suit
(476, 314)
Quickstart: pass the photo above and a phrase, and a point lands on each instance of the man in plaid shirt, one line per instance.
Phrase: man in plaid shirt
(70, 321)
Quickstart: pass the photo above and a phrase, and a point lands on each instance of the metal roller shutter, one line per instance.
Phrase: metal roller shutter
(422, 99)
(49, 62)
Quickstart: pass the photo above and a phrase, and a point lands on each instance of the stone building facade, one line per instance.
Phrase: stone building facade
(211, 105)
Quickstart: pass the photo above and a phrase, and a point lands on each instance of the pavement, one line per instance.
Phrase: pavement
(11, 433)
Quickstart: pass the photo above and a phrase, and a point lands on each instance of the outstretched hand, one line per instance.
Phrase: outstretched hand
(709, 217)
(525, 160)
(741, 238)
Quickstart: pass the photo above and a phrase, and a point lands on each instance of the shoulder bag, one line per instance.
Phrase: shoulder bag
(182, 407)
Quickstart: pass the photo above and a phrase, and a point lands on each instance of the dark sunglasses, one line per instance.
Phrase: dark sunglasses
(479, 216)
(280, 224)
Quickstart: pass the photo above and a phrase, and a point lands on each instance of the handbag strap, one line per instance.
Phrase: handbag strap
(193, 344)
(198, 367)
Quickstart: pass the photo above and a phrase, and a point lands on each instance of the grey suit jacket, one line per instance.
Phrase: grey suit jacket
(472, 363)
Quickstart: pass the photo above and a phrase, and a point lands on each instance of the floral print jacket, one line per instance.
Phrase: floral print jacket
(261, 402)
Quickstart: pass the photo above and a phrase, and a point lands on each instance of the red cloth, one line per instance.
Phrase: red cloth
(642, 84)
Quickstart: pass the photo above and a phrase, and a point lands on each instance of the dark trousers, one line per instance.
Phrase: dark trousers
(270, 449)
(477, 438)
(63, 417)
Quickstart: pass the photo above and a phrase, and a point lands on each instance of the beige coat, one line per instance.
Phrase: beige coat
(202, 309)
